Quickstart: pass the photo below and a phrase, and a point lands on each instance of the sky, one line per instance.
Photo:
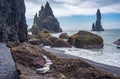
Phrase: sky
(78, 14)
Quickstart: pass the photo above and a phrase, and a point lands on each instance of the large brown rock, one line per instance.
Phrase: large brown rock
(64, 36)
(84, 39)
(27, 56)
(61, 43)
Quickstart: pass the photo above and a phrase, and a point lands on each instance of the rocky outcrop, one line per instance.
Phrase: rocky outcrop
(32, 36)
(45, 20)
(41, 42)
(64, 36)
(97, 26)
(117, 42)
(84, 39)
(28, 58)
(43, 34)
(61, 43)
(12, 21)
(53, 39)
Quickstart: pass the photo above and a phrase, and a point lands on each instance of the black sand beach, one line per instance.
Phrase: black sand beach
(7, 65)
(111, 69)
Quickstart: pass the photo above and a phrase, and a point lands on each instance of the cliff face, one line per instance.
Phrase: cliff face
(46, 20)
(97, 26)
(12, 21)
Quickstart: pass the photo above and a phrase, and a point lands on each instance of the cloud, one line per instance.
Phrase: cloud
(63, 8)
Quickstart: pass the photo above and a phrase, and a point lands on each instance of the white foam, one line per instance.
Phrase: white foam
(100, 56)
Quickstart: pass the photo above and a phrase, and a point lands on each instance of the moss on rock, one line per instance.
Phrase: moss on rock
(84, 39)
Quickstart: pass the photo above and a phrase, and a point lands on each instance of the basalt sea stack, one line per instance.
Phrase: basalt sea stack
(97, 26)
(12, 21)
(46, 20)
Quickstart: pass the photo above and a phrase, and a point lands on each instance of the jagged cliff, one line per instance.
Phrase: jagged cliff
(46, 20)
(97, 26)
(12, 21)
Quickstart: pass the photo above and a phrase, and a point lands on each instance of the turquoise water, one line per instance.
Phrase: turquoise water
(108, 55)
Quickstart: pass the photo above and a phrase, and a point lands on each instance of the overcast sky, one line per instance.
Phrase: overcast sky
(78, 13)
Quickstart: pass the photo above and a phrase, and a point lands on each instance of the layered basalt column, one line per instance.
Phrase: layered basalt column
(13, 25)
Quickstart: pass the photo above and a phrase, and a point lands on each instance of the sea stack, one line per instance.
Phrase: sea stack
(97, 26)
(13, 25)
(45, 20)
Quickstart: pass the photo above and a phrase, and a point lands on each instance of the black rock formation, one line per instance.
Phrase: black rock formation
(46, 20)
(12, 21)
(97, 26)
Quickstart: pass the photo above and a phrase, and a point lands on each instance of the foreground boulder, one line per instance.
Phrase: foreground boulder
(64, 36)
(61, 43)
(13, 25)
(84, 39)
(27, 59)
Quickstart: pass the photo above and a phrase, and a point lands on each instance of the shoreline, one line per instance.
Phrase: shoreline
(110, 69)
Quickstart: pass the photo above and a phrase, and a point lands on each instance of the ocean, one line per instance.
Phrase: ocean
(109, 55)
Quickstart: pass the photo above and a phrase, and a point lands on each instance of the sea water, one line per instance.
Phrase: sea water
(109, 55)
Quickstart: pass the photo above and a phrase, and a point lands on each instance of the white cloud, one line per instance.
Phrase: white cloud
(111, 8)
(31, 9)
(71, 7)
(69, 2)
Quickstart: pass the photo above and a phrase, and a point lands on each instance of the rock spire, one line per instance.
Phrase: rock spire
(45, 20)
(97, 26)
